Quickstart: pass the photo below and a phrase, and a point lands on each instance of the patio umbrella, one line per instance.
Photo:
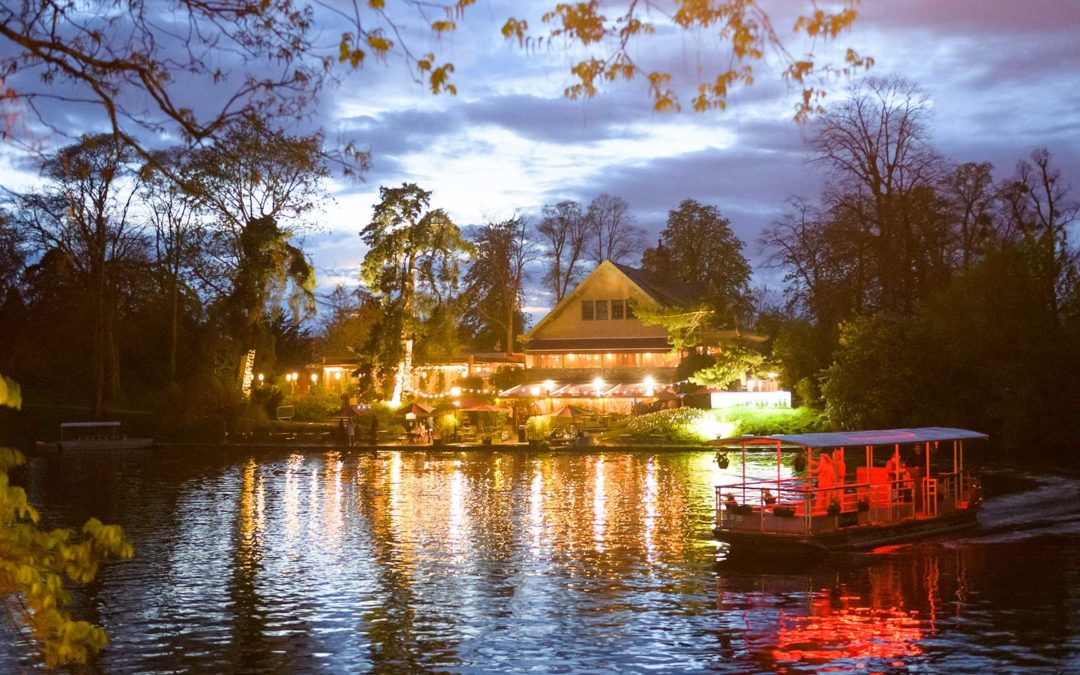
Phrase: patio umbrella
(482, 407)
(417, 409)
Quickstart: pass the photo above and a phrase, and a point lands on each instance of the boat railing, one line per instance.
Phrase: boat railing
(796, 506)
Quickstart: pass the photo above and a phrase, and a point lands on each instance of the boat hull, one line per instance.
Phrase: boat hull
(847, 539)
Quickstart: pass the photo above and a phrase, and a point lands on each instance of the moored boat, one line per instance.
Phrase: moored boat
(918, 492)
(79, 436)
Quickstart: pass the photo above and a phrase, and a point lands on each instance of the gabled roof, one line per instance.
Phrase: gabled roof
(664, 295)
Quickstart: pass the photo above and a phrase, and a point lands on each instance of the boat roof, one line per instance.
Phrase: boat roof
(70, 425)
(840, 439)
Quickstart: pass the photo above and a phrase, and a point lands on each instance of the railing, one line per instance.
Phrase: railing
(794, 506)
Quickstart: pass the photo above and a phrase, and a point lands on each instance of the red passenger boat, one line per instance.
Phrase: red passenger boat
(905, 484)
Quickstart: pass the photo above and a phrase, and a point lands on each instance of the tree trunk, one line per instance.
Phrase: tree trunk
(98, 352)
(510, 325)
(174, 328)
(113, 362)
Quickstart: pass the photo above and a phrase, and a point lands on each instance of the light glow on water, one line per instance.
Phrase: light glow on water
(493, 561)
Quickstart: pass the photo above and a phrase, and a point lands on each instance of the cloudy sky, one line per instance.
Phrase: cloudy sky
(1003, 77)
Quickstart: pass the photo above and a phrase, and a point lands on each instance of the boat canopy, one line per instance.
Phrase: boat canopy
(88, 425)
(854, 439)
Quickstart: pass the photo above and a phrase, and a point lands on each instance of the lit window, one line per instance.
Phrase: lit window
(586, 310)
(601, 310)
(617, 312)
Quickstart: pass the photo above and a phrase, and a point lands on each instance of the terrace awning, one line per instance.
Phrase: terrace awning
(634, 390)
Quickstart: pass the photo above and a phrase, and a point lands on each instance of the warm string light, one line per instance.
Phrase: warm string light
(460, 390)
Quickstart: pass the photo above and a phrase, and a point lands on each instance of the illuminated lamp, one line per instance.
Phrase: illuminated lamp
(260, 378)
(598, 383)
(314, 378)
(455, 391)
(534, 391)
(549, 385)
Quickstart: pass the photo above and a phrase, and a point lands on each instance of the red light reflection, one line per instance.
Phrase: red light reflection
(836, 629)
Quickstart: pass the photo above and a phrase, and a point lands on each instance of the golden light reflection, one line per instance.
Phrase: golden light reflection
(250, 496)
(291, 495)
(313, 503)
(536, 512)
(456, 526)
(599, 504)
(650, 511)
(333, 524)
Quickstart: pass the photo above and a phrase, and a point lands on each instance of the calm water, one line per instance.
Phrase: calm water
(498, 561)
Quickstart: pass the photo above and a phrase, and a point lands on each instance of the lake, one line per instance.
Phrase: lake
(494, 561)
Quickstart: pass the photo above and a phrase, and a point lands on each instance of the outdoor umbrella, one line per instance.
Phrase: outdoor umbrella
(417, 409)
(482, 407)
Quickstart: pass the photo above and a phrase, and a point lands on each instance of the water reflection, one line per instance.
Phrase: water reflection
(445, 561)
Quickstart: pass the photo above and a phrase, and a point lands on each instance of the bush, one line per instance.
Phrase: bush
(316, 406)
(682, 425)
(446, 425)
(693, 425)
(537, 427)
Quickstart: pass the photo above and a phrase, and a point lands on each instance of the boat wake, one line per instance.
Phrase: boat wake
(1051, 508)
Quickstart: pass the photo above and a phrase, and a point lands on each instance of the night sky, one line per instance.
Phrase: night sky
(1003, 78)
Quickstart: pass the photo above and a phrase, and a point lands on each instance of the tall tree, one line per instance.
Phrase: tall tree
(495, 282)
(12, 254)
(823, 258)
(352, 316)
(612, 233)
(564, 231)
(84, 214)
(1040, 213)
(875, 145)
(700, 249)
(971, 193)
(412, 264)
(178, 235)
(258, 186)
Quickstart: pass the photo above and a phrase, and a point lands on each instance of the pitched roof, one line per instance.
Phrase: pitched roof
(663, 293)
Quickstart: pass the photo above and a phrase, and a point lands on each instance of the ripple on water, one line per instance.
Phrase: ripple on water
(495, 561)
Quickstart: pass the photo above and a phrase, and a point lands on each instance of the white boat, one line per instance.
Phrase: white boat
(80, 436)
(886, 503)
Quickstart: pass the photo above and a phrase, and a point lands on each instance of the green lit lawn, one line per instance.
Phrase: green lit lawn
(774, 420)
